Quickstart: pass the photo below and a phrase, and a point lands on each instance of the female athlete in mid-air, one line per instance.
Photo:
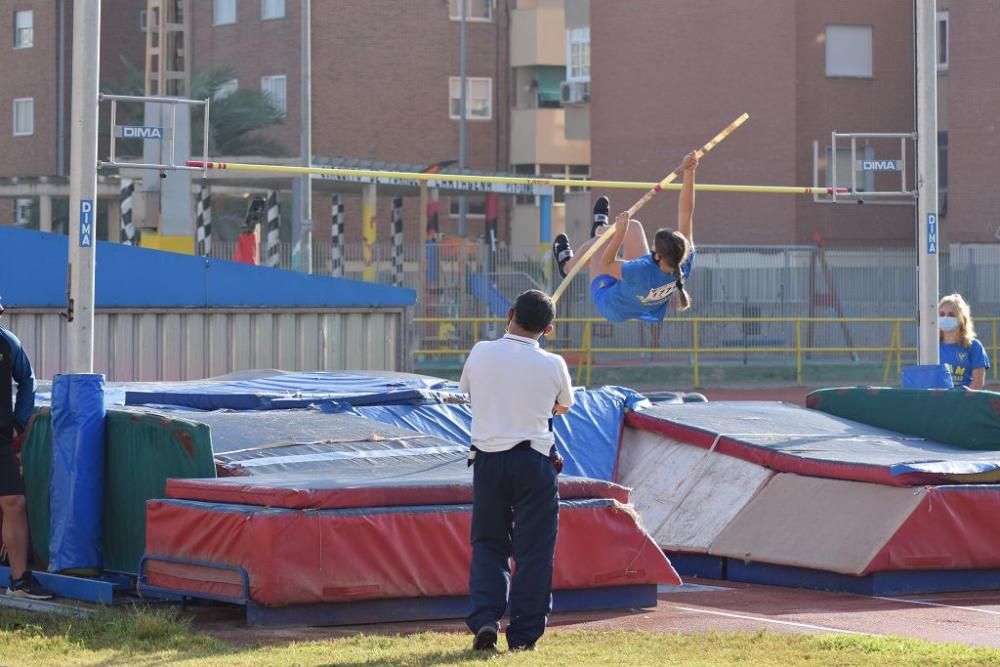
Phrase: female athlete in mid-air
(640, 285)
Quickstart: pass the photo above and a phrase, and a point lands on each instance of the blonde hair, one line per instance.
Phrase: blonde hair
(966, 327)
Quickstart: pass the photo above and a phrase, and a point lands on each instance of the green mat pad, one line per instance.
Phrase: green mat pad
(963, 419)
(144, 449)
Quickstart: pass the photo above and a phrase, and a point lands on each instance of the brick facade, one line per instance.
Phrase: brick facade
(697, 65)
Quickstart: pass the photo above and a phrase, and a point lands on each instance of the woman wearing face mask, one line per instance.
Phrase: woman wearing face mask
(960, 349)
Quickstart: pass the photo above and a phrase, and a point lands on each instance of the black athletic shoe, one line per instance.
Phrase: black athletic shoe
(26, 586)
(522, 647)
(562, 252)
(486, 639)
(602, 208)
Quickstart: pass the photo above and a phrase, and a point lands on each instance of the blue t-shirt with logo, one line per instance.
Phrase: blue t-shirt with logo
(643, 293)
(961, 360)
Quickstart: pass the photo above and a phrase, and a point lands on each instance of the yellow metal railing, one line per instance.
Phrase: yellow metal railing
(893, 350)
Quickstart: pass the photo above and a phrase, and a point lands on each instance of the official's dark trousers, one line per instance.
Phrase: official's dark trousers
(515, 513)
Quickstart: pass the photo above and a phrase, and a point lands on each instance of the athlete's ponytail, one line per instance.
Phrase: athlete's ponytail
(675, 248)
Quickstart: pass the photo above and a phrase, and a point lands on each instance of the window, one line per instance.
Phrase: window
(143, 20)
(24, 29)
(225, 89)
(539, 86)
(275, 87)
(580, 171)
(849, 51)
(578, 54)
(24, 116)
(475, 206)
(942, 40)
(22, 211)
(525, 170)
(224, 12)
(272, 9)
(475, 10)
(563, 171)
(478, 97)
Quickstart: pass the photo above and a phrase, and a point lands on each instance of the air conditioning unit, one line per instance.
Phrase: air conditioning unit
(575, 92)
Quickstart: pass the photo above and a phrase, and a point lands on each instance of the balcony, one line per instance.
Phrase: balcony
(538, 36)
(538, 136)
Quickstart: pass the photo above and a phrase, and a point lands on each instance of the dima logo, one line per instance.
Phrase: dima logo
(878, 165)
(139, 132)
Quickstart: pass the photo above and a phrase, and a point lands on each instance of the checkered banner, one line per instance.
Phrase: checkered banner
(336, 235)
(203, 221)
(129, 233)
(397, 241)
(272, 255)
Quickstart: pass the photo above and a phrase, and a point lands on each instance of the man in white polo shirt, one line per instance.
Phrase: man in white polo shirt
(515, 388)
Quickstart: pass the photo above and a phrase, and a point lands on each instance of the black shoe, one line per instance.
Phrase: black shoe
(522, 647)
(486, 639)
(26, 586)
(562, 252)
(602, 208)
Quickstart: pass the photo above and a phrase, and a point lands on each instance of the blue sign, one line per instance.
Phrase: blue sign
(932, 234)
(138, 132)
(86, 223)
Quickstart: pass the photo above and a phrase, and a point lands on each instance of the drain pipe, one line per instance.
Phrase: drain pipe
(61, 92)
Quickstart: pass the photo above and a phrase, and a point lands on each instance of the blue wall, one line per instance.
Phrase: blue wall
(33, 273)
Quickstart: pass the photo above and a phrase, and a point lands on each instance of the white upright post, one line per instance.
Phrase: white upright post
(83, 183)
(305, 138)
(928, 229)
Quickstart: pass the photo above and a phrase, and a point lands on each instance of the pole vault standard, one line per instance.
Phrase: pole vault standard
(928, 229)
(585, 259)
(83, 184)
(512, 180)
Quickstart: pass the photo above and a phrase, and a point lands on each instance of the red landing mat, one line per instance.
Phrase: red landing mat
(308, 557)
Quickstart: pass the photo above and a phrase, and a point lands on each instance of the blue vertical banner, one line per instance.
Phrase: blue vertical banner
(86, 223)
(932, 234)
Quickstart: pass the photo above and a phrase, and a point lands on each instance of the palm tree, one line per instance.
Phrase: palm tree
(236, 119)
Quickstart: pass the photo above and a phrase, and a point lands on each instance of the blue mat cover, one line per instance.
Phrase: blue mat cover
(587, 437)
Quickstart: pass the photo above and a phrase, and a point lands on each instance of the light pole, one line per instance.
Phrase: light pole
(461, 114)
(306, 138)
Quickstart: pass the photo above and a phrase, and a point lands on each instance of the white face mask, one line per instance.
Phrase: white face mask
(948, 324)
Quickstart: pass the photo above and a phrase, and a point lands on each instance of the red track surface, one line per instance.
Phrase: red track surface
(969, 618)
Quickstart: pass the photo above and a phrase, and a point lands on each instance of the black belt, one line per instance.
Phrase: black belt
(473, 450)
(557, 461)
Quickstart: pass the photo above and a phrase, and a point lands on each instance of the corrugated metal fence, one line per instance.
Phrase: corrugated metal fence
(189, 344)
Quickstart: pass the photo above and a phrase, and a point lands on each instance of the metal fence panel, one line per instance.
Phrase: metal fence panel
(169, 345)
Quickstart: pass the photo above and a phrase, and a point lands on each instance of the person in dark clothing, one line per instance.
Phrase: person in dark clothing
(515, 388)
(15, 411)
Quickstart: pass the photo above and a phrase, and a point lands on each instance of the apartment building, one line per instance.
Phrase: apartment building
(385, 85)
(573, 87)
(36, 61)
(549, 76)
(667, 75)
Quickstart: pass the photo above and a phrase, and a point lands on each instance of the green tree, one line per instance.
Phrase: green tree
(235, 120)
